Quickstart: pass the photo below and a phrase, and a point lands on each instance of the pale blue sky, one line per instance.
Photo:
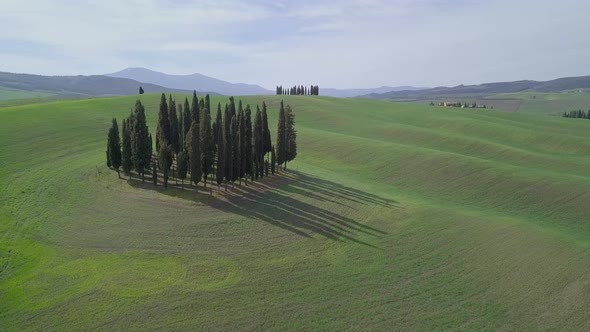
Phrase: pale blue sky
(342, 44)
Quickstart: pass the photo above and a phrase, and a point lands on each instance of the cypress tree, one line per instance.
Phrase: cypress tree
(243, 144)
(195, 107)
(215, 131)
(248, 141)
(273, 161)
(291, 149)
(163, 132)
(165, 158)
(227, 145)
(219, 170)
(194, 153)
(182, 164)
(139, 141)
(208, 103)
(258, 144)
(186, 118)
(281, 136)
(235, 140)
(174, 131)
(232, 107)
(126, 159)
(267, 143)
(114, 149)
(206, 150)
(181, 134)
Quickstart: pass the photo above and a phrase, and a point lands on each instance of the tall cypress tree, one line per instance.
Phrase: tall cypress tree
(219, 170)
(126, 158)
(181, 134)
(248, 141)
(194, 152)
(174, 131)
(281, 136)
(114, 148)
(291, 149)
(235, 140)
(139, 141)
(208, 103)
(243, 144)
(187, 119)
(206, 151)
(227, 146)
(258, 144)
(267, 143)
(195, 107)
(163, 132)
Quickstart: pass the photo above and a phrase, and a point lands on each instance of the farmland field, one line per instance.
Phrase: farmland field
(393, 216)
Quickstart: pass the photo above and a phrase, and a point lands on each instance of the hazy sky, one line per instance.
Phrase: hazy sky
(342, 44)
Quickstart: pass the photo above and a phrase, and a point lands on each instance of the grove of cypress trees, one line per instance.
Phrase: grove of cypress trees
(281, 136)
(114, 147)
(139, 141)
(174, 131)
(126, 159)
(194, 152)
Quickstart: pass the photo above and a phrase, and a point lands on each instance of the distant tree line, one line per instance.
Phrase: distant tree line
(459, 104)
(236, 146)
(300, 90)
(580, 114)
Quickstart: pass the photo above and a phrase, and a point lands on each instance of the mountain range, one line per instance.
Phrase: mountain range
(79, 86)
(556, 85)
(191, 82)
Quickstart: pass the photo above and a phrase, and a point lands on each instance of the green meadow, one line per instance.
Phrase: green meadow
(394, 216)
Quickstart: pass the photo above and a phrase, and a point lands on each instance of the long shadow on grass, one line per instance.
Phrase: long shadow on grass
(273, 200)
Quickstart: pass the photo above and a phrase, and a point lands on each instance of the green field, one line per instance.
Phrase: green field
(393, 217)
(12, 94)
(549, 103)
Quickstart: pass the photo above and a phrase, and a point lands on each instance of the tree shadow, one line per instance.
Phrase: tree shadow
(273, 199)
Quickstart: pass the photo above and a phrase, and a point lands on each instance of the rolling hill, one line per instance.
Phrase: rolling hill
(393, 216)
(75, 86)
(347, 93)
(190, 82)
(557, 85)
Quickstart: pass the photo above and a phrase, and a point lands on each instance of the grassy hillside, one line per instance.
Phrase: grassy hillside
(12, 94)
(393, 215)
(551, 103)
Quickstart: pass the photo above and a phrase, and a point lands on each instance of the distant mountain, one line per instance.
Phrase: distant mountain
(79, 86)
(191, 82)
(347, 93)
(557, 85)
